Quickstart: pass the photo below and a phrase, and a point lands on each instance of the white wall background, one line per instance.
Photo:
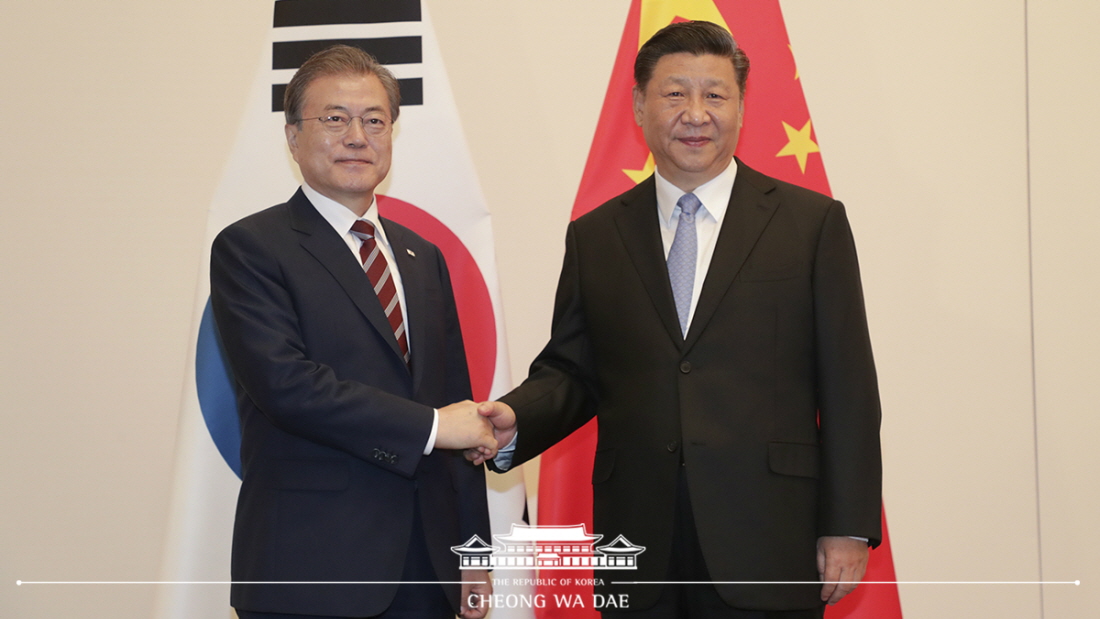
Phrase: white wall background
(960, 134)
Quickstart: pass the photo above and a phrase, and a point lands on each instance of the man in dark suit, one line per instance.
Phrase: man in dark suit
(348, 452)
(712, 319)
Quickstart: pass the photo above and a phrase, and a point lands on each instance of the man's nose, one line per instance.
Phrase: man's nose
(695, 112)
(357, 132)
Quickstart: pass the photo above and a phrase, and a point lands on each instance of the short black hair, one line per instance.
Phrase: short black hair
(692, 37)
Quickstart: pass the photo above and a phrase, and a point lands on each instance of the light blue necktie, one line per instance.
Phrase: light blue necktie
(681, 258)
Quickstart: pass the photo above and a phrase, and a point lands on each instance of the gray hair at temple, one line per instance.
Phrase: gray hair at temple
(691, 37)
(337, 60)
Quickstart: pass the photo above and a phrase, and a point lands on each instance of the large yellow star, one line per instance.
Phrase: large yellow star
(657, 14)
(799, 144)
(640, 175)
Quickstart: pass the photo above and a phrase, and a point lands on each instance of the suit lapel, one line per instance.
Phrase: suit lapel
(750, 209)
(325, 245)
(640, 233)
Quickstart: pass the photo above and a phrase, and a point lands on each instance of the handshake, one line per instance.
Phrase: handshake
(480, 430)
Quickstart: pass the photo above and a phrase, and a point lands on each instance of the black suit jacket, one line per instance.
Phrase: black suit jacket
(333, 422)
(778, 337)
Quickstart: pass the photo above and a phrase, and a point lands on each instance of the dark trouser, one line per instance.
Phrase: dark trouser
(411, 602)
(698, 601)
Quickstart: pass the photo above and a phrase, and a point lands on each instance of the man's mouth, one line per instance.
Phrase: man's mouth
(694, 140)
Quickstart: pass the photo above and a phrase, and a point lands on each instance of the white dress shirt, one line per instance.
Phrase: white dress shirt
(341, 218)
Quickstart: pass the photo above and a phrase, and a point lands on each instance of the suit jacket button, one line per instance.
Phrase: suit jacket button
(672, 446)
(685, 367)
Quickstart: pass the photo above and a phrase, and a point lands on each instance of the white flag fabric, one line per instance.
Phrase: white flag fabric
(432, 188)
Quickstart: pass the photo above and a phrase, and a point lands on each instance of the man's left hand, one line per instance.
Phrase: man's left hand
(841, 562)
(476, 589)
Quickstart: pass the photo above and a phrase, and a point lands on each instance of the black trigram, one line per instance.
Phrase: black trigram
(388, 50)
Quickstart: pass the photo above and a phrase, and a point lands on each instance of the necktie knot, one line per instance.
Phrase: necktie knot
(362, 229)
(688, 204)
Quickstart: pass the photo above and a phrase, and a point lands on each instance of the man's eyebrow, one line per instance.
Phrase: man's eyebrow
(341, 108)
(675, 81)
(686, 81)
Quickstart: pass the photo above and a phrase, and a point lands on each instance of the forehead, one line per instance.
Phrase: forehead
(346, 91)
(688, 67)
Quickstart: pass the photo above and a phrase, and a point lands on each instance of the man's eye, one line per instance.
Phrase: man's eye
(336, 119)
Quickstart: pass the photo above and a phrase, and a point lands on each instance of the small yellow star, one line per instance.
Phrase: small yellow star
(792, 58)
(657, 14)
(640, 175)
(799, 144)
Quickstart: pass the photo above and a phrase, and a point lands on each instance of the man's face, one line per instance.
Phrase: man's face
(344, 166)
(690, 113)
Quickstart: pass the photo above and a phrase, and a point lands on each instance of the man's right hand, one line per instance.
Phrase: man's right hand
(503, 420)
(461, 427)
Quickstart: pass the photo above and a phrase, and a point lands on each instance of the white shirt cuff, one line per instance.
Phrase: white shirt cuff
(435, 429)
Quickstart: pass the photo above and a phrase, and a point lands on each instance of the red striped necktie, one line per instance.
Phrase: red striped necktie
(374, 263)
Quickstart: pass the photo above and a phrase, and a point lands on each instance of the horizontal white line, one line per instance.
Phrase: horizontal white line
(459, 582)
(20, 583)
(400, 71)
(347, 31)
(849, 582)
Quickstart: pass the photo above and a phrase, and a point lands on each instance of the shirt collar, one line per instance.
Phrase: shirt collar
(341, 217)
(713, 194)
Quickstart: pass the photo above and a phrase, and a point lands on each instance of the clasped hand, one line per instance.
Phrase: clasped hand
(502, 420)
(478, 429)
(461, 427)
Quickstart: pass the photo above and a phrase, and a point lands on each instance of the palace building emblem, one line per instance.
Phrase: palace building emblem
(568, 547)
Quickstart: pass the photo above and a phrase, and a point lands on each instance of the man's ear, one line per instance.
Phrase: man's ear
(291, 131)
(639, 104)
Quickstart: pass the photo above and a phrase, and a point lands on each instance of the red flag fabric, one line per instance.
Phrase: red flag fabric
(777, 139)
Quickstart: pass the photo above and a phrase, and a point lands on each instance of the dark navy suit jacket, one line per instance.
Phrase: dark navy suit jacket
(333, 422)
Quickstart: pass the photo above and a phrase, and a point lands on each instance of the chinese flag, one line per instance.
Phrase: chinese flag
(777, 139)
